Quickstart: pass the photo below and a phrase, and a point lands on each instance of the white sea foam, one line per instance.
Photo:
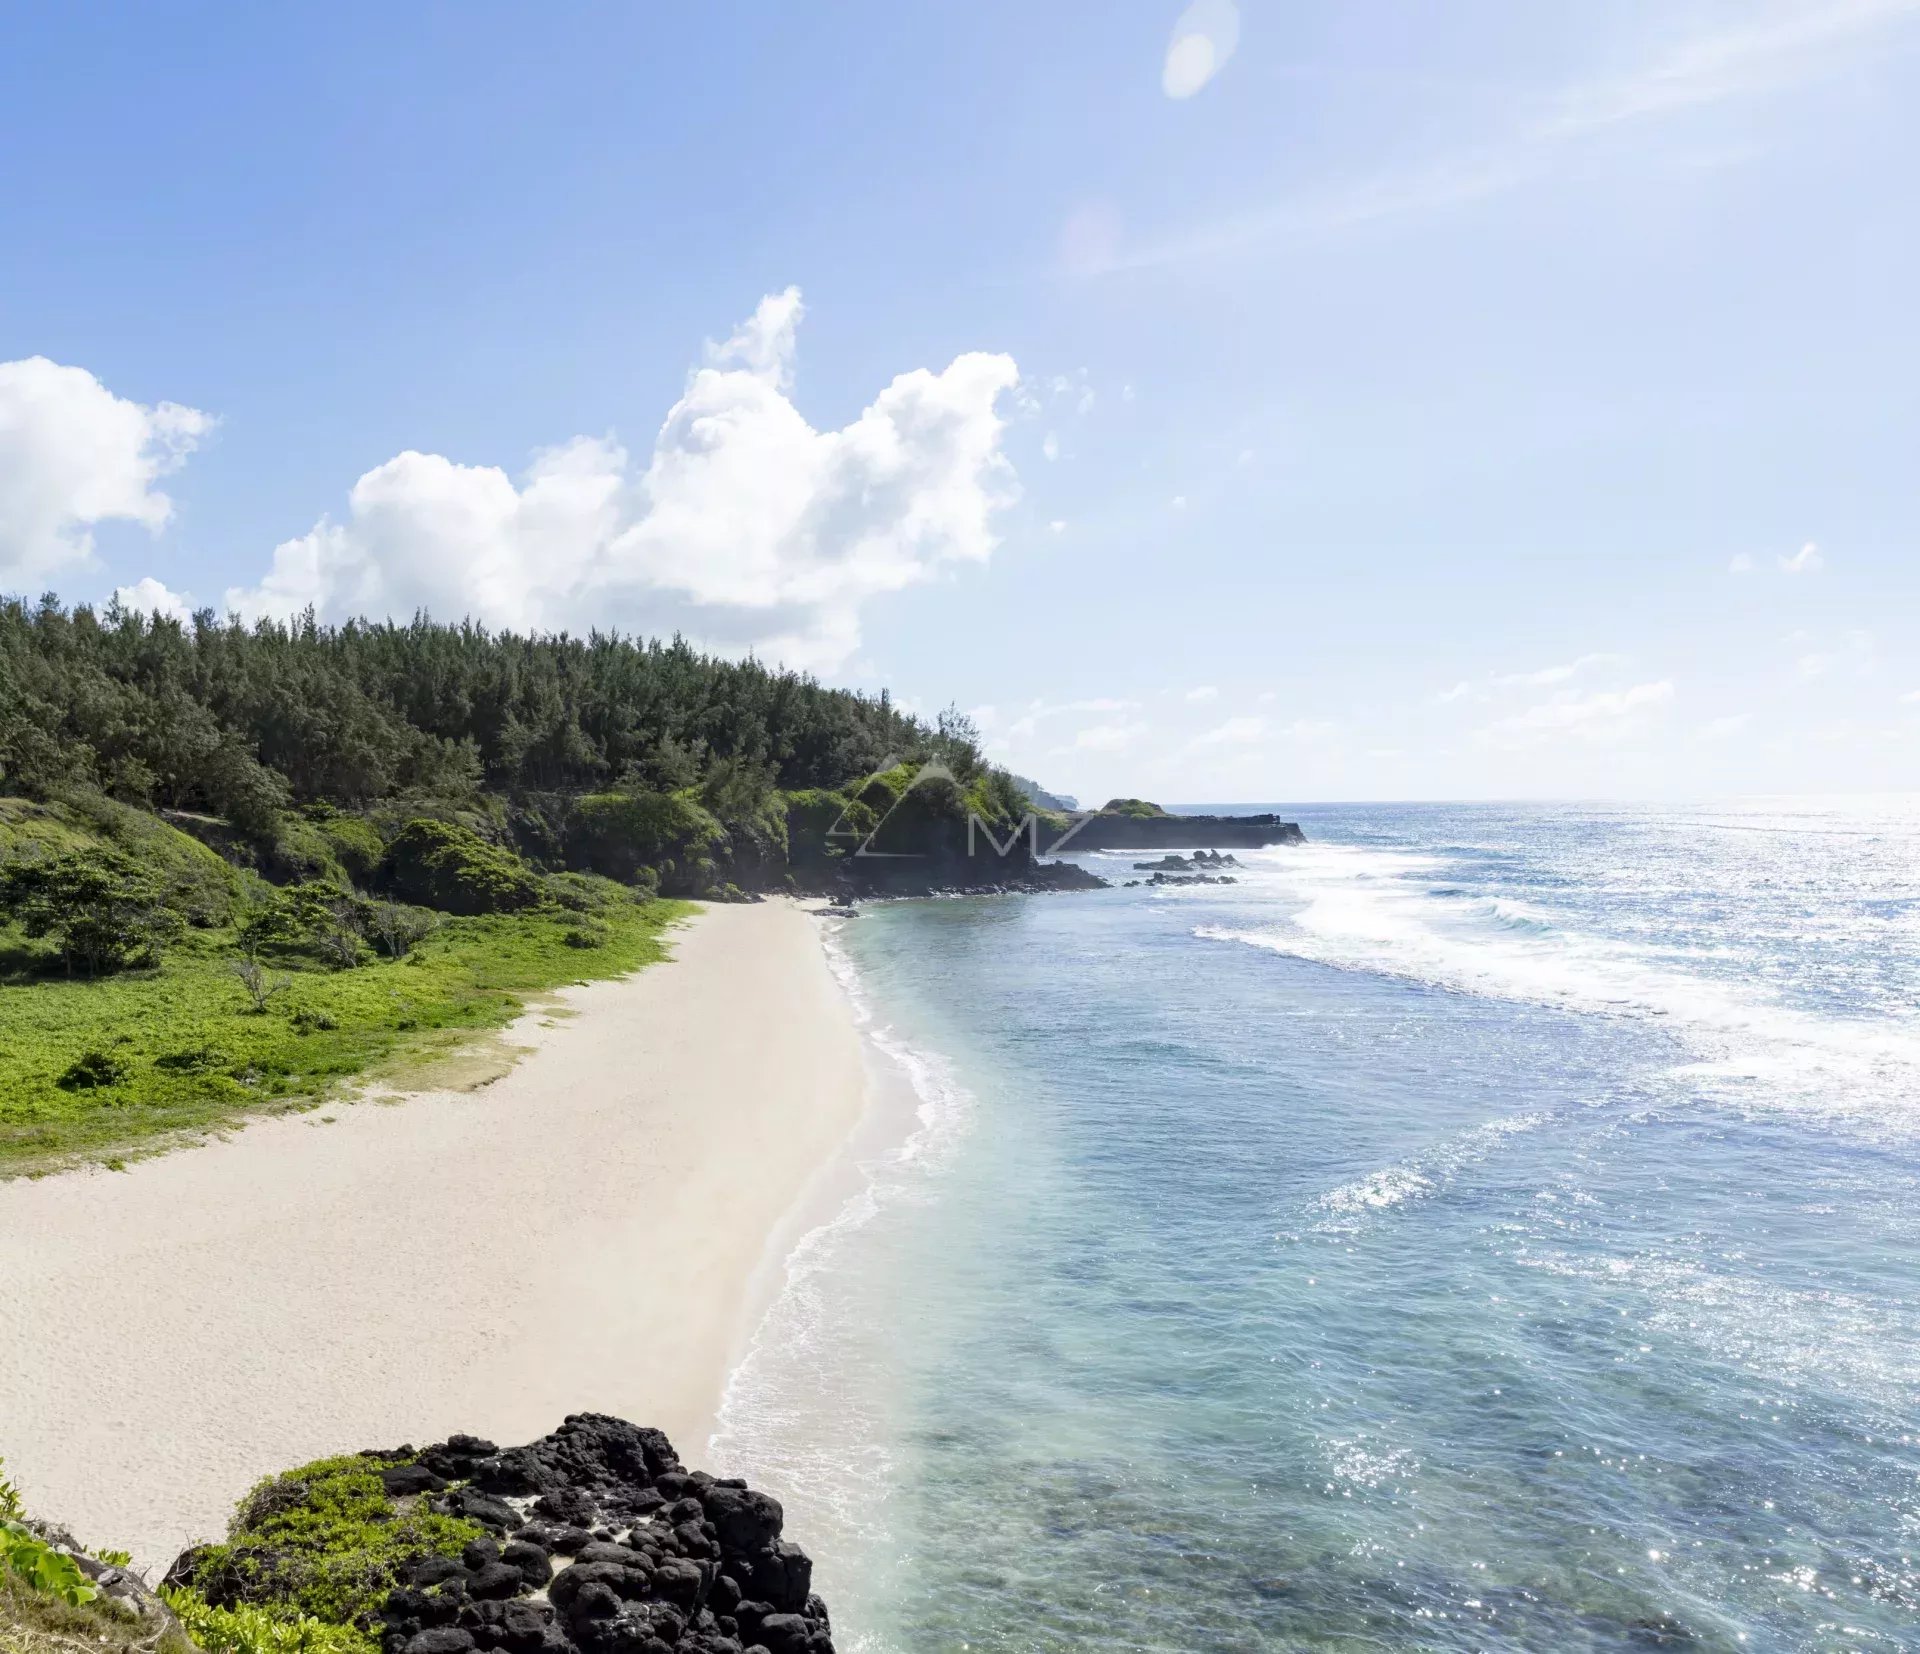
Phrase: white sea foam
(1379, 911)
(1351, 1205)
(806, 1410)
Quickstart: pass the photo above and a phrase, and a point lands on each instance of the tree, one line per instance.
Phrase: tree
(395, 927)
(101, 910)
(257, 984)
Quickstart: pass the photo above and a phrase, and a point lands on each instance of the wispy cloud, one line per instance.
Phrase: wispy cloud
(1804, 561)
(1610, 715)
(1542, 677)
(1027, 724)
(1785, 45)
(1854, 651)
(1205, 692)
(1235, 732)
(1111, 737)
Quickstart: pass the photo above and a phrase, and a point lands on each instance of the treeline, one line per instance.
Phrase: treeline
(227, 718)
(303, 750)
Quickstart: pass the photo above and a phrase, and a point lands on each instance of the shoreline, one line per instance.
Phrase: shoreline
(603, 1227)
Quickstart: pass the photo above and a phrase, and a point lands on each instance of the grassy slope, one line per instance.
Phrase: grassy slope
(196, 1055)
(32, 1622)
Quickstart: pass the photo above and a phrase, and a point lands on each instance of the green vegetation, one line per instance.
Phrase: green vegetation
(101, 910)
(241, 865)
(122, 1061)
(1139, 808)
(442, 864)
(324, 1542)
(27, 1556)
(246, 1629)
(622, 834)
(37, 1622)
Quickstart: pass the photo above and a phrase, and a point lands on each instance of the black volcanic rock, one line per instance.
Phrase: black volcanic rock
(1116, 830)
(651, 1556)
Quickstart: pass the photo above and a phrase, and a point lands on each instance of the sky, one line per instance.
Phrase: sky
(1275, 402)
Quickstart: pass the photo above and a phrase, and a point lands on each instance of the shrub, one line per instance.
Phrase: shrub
(395, 928)
(296, 850)
(325, 1541)
(587, 936)
(194, 1059)
(440, 864)
(25, 1553)
(1136, 807)
(92, 1071)
(329, 921)
(621, 835)
(879, 793)
(245, 1629)
(256, 984)
(584, 892)
(355, 845)
(823, 825)
(101, 910)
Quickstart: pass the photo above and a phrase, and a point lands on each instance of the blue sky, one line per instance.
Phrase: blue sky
(1331, 401)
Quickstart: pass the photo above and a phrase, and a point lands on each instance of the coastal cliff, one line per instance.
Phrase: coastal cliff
(593, 1540)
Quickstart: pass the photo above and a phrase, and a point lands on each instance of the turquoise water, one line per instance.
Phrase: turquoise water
(1480, 1228)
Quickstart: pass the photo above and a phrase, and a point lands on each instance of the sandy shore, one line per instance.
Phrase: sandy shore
(590, 1232)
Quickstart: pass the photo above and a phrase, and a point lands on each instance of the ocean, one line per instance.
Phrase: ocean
(1480, 1228)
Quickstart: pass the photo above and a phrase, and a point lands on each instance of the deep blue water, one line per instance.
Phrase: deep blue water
(1480, 1228)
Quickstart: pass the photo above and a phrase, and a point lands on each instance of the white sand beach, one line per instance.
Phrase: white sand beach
(589, 1232)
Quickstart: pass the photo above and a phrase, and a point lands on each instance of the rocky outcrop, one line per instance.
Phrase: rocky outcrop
(1201, 861)
(984, 875)
(1115, 830)
(593, 1540)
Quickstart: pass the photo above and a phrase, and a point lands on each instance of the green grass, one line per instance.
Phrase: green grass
(193, 1056)
(32, 1622)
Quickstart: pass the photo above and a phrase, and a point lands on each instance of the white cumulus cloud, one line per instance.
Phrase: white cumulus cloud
(148, 596)
(745, 528)
(1804, 561)
(74, 455)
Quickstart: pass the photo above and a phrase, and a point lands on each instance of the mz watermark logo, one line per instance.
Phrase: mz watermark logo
(865, 845)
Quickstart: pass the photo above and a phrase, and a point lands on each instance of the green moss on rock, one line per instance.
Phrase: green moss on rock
(323, 1542)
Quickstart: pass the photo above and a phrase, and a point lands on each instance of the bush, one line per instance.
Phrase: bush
(879, 793)
(395, 929)
(297, 851)
(26, 1554)
(92, 1071)
(244, 1629)
(623, 835)
(101, 910)
(587, 936)
(355, 844)
(823, 825)
(439, 864)
(584, 892)
(325, 1541)
(195, 1059)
